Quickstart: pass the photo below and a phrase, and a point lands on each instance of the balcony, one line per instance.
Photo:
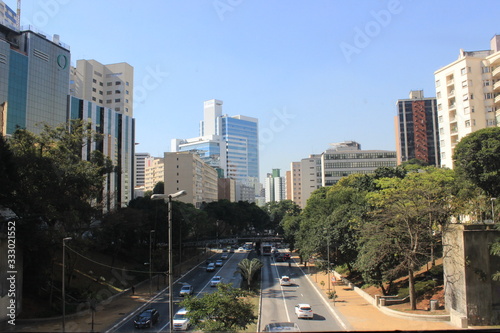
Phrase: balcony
(496, 72)
(452, 106)
(496, 86)
(497, 99)
(450, 82)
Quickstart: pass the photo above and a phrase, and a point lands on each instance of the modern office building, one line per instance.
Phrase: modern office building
(416, 124)
(468, 96)
(311, 176)
(346, 158)
(34, 72)
(154, 172)
(117, 131)
(227, 143)
(111, 86)
(226, 189)
(187, 171)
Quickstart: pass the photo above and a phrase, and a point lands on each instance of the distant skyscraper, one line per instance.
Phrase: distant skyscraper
(228, 143)
(417, 133)
(468, 97)
(275, 186)
(140, 166)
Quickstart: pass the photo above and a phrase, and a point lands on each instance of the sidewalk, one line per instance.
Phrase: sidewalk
(363, 316)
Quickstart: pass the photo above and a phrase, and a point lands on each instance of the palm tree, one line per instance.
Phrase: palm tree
(248, 268)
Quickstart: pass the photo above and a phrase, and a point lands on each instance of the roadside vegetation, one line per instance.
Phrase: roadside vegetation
(379, 226)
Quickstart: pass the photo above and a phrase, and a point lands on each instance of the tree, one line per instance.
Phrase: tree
(406, 211)
(477, 158)
(223, 310)
(248, 268)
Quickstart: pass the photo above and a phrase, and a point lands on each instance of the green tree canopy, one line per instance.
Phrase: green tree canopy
(477, 158)
(224, 310)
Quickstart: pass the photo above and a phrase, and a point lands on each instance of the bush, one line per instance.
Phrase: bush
(421, 287)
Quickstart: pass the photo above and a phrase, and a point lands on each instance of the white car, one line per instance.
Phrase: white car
(186, 289)
(304, 310)
(215, 281)
(285, 281)
(240, 249)
(218, 263)
(224, 256)
(181, 321)
(211, 267)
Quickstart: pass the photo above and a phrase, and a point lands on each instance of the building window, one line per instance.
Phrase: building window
(438, 95)
(440, 119)
(100, 101)
(465, 97)
(463, 71)
(117, 91)
(443, 156)
(486, 83)
(94, 81)
(117, 100)
(441, 131)
(488, 96)
(100, 84)
(126, 92)
(126, 100)
(94, 99)
(467, 123)
(118, 83)
(109, 84)
(466, 110)
(438, 83)
(109, 92)
(100, 92)
(472, 109)
(464, 83)
(489, 109)
(491, 122)
(440, 107)
(126, 109)
(126, 83)
(94, 89)
(471, 96)
(485, 69)
(117, 108)
(108, 101)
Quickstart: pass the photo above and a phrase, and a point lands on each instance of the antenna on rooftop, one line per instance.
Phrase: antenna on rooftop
(19, 14)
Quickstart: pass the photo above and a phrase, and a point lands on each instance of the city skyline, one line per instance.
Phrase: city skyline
(313, 73)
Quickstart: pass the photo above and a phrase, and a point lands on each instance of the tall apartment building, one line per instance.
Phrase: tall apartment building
(34, 72)
(311, 176)
(468, 96)
(117, 131)
(417, 134)
(111, 86)
(227, 143)
(140, 167)
(275, 186)
(346, 158)
(187, 171)
(154, 172)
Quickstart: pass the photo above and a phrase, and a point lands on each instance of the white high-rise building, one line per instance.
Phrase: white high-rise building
(468, 97)
(140, 165)
(275, 186)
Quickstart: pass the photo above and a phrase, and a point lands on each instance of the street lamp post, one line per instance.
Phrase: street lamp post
(328, 260)
(168, 198)
(493, 210)
(150, 262)
(63, 282)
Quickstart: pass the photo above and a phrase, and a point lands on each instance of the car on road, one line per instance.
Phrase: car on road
(186, 289)
(280, 258)
(241, 249)
(282, 327)
(218, 263)
(211, 267)
(181, 321)
(287, 256)
(146, 318)
(224, 256)
(215, 281)
(285, 281)
(304, 310)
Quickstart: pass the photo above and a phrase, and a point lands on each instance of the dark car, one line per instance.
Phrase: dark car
(147, 318)
(286, 256)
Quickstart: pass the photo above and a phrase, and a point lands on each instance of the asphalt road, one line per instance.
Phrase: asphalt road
(199, 278)
(278, 302)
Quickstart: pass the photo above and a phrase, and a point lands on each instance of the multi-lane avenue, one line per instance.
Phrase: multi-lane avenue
(277, 302)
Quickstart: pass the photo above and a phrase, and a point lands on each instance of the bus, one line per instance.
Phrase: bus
(265, 249)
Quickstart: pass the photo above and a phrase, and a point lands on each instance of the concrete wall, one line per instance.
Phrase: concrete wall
(468, 268)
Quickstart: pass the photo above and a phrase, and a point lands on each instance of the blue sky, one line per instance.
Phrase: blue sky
(313, 72)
